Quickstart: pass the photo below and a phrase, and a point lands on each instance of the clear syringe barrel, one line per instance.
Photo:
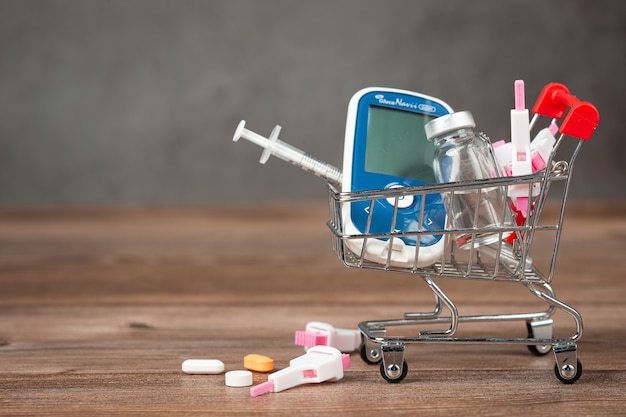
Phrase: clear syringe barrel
(291, 154)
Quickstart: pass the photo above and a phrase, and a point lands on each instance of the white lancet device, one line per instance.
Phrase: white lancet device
(386, 147)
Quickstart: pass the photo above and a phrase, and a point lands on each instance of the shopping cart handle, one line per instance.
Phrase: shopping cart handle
(581, 121)
(553, 101)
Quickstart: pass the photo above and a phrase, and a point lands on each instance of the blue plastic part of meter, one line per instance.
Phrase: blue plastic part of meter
(386, 147)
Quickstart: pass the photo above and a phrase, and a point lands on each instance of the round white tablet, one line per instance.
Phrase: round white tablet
(238, 378)
(203, 366)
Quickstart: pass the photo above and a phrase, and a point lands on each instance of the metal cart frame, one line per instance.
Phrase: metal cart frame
(499, 262)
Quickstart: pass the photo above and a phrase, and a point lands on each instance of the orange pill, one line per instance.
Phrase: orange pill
(258, 363)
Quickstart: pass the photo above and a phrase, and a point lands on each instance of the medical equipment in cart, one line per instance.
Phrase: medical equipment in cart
(507, 261)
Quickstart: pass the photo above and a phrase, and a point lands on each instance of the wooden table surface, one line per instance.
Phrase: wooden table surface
(99, 308)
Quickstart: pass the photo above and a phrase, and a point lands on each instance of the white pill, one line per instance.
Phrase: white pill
(203, 366)
(238, 378)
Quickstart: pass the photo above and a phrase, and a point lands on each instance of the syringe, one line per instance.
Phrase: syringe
(286, 152)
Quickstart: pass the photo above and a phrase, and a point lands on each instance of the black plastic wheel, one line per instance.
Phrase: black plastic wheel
(366, 358)
(579, 372)
(400, 377)
(537, 350)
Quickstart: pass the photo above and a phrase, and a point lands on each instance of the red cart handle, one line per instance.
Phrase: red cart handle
(553, 101)
(582, 119)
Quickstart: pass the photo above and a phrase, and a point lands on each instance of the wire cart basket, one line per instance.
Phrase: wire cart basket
(456, 254)
(507, 260)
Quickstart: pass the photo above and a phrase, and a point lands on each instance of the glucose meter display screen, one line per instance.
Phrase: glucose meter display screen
(397, 144)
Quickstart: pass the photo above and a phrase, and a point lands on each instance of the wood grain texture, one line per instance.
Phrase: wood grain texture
(99, 307)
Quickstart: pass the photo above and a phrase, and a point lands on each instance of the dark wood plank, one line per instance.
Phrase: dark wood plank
(99, 307)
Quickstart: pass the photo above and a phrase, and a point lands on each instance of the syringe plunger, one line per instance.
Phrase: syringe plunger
(286, 152)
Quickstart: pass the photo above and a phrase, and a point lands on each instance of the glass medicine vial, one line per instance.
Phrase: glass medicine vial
(463, 155)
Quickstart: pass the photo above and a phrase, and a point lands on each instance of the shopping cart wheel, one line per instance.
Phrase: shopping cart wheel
(539, 350)
(393, 367)
(370, 353)
(392, 374)
(569, 375)
(539, 329)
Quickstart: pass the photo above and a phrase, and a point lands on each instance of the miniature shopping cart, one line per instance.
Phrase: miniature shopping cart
(508, 260)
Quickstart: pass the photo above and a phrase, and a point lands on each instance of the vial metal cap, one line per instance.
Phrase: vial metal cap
(449, 123)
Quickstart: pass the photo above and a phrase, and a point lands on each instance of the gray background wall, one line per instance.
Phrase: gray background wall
(135, 102)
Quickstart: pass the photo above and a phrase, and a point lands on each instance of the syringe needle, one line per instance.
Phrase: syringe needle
(286, 152)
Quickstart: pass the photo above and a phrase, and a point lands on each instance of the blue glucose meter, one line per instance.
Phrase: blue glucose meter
(386, 147)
